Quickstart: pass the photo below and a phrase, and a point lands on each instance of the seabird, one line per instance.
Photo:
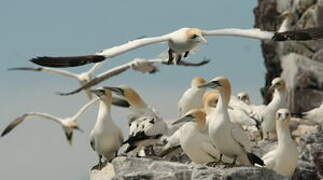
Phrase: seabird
(69, 124)
(313, 116)
(257, 109)
(244, 97)
(229, 138)
(180, 43)
(278, 101)
(283, 159)
(192, 97)
(106, 137)
(194, 138)
(141, 65)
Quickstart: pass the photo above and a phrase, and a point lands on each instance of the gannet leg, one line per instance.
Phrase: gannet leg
(170, 56)
(100, 162)
(178, 59)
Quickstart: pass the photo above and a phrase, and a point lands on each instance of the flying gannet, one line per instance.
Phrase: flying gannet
(180, 43)
(283, 159)
(278, 101)
(106, 137)
(69, 124)
(192, 97)
(194, 138)
(229, 138)
(142, 65)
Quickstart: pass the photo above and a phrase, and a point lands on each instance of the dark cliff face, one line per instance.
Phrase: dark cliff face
(305, 82)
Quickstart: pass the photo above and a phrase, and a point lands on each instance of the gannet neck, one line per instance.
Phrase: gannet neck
(197, 81)
(104, 114)
(278, 101)
(223, 102)
(283, 134)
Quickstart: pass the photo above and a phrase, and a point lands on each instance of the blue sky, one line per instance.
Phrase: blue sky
(37, 149)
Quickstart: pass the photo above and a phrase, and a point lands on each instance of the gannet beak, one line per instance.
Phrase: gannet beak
(98, 92)
(272, 88)
(117, 90)
(200, 39)
(282, 117)
(183, 119)
(212, 84)
(79, 129)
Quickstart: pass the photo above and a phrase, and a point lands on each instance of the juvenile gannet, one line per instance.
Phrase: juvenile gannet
(69, 124)
(229, 138)
(192, 97)
(194, 138)
(151, 125)
(283, 159)
(237, 116)
(141, 65)
(278, 101)
(106, 137)
(180, 43)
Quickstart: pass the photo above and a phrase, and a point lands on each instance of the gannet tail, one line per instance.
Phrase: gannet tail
(71, 61)
(254, 159)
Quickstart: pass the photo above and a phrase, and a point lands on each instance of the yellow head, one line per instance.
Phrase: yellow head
(129, 94)
(244, 97)
(197, 115)
(222, 84)
(195, 35)
(278, 83)
(210, 99)
(283, 117)
(197, 81)
(104, 94)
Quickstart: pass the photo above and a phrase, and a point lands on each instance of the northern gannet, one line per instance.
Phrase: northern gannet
(313, 116)
(229, 138)
(278, 101)
(69, 124)
(106, 137)
(194, 138)
(257, 109)
(151, 125)
(180, 43)
(244, 97)
(141, 65)
(237, 116)
(192, 97)
(283, 159)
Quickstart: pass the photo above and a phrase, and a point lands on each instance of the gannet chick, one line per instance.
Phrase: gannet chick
(237, 116)
(68, 124)
(278, 101)
(192, 97)
(138, 64)
(106, 137)
(283, 159)
(229, 138)
(180, 43)
(194, 138)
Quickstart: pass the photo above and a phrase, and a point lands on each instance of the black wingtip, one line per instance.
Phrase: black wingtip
(299, 35)
(298, 114)
(72, 61)
(254, 159)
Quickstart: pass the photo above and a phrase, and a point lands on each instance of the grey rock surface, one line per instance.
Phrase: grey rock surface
(306, 13)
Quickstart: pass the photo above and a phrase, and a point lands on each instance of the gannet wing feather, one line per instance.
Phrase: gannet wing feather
(241, 137)
(100, 56)
(241, 118)
(248, 33)
(95, 67)
(25, 116)
(315, 33)
(50, 70)
(84, 108)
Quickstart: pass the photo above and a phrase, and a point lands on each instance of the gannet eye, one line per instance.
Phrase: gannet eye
(194, 36)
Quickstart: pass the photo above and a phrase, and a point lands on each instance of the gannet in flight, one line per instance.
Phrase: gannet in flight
(237, 116)
(283, 159)
(278, 101)
(229, 138)
(180, 43)
(192, 97)
(142, 65)
(194, 138)
(106, 137)
(68, 124)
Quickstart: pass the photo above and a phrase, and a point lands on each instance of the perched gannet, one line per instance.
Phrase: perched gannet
(244, 97)
(278, 101)
(106, 137)
(151, 125)
(194, 138)
(313, 116)
(69, 124)
(229, 138)
(180, 43)
(141, 65)
(256, 109)
(192, 97)
(237, 116)
(283, 159)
